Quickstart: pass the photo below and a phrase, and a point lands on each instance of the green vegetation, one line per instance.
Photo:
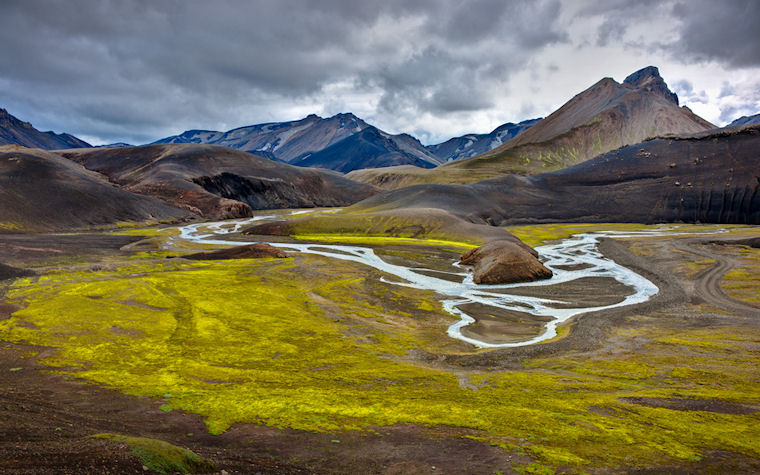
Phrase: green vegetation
(322, 345)
(742, 282)
(384, 240)
(160, 456)
(538, 235)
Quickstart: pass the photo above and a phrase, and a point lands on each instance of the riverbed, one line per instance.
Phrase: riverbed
(576, 259)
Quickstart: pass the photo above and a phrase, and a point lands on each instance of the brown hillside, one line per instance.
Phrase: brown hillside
(606, 116)
(218, 182)
(42, 191)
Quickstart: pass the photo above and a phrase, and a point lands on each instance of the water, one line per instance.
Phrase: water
(578, 250)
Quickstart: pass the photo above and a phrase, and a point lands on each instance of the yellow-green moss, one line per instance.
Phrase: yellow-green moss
(160, 456)
(384, 240)
(317, 344)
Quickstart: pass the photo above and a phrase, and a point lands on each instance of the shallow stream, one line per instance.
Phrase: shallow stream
(578, 252)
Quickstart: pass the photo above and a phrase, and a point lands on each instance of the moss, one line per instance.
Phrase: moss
(323, 345)
(384, 240)
(160, 456)
(743, 282)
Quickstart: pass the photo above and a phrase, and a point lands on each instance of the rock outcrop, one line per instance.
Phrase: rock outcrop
(504, 262)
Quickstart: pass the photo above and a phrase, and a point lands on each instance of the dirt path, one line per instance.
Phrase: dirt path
(708, 281)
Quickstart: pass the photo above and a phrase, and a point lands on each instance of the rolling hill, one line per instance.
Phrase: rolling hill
(217, 182)
(711, 177)
(42, 191)
(606, 116)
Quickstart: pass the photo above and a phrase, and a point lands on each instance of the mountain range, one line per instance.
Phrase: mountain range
(183, 177)
(606, 116)
(16, 132)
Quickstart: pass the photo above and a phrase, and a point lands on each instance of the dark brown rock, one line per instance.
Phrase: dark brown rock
(249, 251)
(504, 262)
(8, 272)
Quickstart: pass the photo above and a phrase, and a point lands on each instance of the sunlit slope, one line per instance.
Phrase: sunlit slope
(606, 116)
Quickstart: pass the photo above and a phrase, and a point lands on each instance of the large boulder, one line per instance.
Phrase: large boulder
(504, 262)
(248, 251)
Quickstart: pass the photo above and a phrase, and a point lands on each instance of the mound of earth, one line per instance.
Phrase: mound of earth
(504, 262)
(710, 177)
(248, 251)
(42, 191)
(218, 182)
(9, 272)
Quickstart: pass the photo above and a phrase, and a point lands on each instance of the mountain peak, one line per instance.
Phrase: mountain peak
(649, 78)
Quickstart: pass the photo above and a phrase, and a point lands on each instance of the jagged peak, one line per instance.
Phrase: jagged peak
(649, 78)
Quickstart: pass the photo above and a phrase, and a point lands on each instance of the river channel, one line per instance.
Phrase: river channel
(574, 258)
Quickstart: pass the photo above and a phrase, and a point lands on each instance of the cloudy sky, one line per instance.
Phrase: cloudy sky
(136, 71)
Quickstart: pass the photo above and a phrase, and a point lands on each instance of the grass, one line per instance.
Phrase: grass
(160, 456)
(538, 235)
(322, 345)
(384, 240)
(742, 283)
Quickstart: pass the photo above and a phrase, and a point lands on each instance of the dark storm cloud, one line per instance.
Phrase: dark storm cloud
(727, 31)
(130, 70)
(138, 70)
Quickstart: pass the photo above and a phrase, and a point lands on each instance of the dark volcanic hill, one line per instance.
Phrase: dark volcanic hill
(42, 191)
(219, 182)
(371, 148)
(746, 120)
(606, 116)
(470, 145)
(711, 177)
(16, 132)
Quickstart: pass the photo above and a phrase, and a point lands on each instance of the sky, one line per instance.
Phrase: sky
(136, 71)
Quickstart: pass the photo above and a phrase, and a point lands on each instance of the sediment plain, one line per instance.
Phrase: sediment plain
(314, 364)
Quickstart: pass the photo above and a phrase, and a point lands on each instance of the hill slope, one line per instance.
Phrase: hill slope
(218, 182)
(16, 132)
(42, 191)
(711, 177)
(606, 116)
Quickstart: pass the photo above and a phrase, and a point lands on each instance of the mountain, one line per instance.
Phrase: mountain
(217, 182)
(115, 145)
(606, 116)
(371, 148)
(16, 132)
(284, 141)
(746, 120)
(42, 191)
(470, 145)
(710, 177)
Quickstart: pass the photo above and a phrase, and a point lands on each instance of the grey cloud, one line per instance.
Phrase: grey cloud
(135, 67)
(727, 31)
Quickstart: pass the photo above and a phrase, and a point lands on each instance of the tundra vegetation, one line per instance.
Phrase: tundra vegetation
(323, 345)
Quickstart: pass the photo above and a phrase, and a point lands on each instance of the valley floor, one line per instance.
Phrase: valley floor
(308, 364)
